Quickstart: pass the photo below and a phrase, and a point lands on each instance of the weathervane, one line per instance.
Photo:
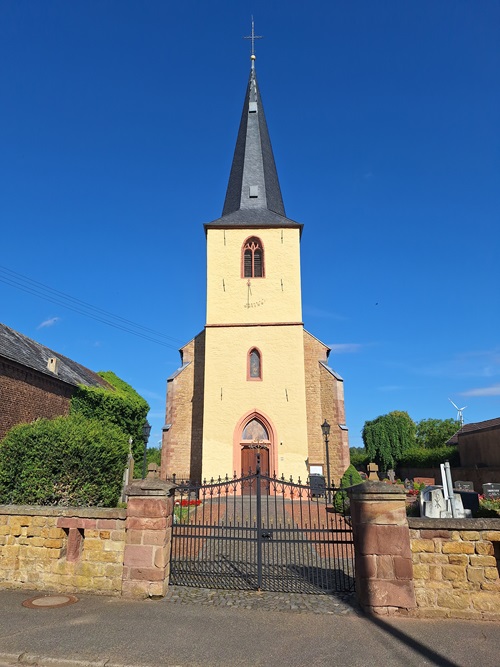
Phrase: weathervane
(253, 37)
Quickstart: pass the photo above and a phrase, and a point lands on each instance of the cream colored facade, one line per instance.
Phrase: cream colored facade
(274, 298)
(215, 403)
(246, 313)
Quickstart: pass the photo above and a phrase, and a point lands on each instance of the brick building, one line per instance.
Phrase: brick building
(254, 377)
(35, 381)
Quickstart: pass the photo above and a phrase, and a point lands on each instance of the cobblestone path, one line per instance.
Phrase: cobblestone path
(339, 603)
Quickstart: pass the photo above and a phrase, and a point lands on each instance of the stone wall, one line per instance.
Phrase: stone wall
(324, 400)
(62, 549)
(456, 567)
(182, 441)
(425, 568)
(93, 550)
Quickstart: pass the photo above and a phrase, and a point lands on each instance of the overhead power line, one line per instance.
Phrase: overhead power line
(47, 293)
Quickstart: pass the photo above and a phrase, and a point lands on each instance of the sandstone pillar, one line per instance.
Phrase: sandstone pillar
(384, 572)
(146, 564)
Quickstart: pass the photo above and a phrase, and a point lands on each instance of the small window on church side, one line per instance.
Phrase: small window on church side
(253, 258)
(254, 365)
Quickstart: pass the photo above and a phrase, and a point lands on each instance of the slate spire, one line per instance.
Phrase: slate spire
(253, 181)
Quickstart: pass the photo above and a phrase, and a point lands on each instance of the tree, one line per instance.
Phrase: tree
(388, 436)
(432, 433)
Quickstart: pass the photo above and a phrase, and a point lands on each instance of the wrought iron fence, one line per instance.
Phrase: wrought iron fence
(258, 532)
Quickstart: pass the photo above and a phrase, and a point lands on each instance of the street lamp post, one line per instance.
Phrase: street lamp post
(146, 430)
(325, 427)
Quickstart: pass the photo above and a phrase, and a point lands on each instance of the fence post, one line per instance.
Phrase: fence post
(384, 571)
(146, 564)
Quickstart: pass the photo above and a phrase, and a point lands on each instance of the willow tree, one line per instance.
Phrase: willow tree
(387, 437)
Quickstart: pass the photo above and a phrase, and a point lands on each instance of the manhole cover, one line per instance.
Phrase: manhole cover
(49, 601)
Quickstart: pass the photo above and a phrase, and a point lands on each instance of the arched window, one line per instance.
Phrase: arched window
(255, 431)
(253, 258)
(254, 370)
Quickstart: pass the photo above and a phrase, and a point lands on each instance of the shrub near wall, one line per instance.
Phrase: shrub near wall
(64, 461)
(122, 406)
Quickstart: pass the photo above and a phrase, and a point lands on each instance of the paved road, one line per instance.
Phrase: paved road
(111, 631)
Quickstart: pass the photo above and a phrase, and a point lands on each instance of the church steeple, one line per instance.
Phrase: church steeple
(253, 196)
(253, 182)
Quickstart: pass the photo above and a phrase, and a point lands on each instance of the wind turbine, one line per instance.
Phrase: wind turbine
(460, 415)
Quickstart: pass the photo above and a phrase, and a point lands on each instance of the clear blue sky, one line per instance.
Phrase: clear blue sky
(117, 127)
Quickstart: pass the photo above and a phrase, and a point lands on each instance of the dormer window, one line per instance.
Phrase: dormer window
(253, 258)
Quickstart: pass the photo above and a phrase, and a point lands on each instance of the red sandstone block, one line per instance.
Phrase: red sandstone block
(134, 536)
(138, 556)
(67, 522)
(147, 574)
(431, 534)
(385, 593)
(75, 543)
(89, 524)
(403, 567)
(385, 567)
(366, 566)
(148, 507)
(156, 537)
(136, 523)
(107, 524)
(383, 540)
(135, 589)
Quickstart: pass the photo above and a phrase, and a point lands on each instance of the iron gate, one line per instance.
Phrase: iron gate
(261, 533)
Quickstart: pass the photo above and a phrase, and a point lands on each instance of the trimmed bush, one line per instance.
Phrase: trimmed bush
(429, 458)
(351, 477)
(65, 461)
(123, 407)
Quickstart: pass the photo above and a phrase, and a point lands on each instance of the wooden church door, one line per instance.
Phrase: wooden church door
(254, 441)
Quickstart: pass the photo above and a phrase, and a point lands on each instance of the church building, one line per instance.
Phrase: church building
(254, 380)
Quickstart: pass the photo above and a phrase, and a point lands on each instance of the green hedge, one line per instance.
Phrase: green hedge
(65, 461)
(123, 407)
(359, 459)
(429, 458)
(351, 477)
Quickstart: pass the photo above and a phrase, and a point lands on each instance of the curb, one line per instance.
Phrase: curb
(34, 660)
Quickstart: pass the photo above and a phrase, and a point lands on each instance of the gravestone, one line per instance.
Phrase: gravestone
(470, 501)
(491, 490)
(428, 481)
(373, 472)
(463, 486)
(434, 505)
(391, 475)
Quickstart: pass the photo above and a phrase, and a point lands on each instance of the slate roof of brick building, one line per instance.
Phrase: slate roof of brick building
(253, 196)
(475, 426)
(27, 352)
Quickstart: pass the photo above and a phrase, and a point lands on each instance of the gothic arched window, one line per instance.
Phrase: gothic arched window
(255, 431)
(254, 371)
(253, 258)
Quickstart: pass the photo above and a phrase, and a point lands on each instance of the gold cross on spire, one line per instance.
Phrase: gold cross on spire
(253, 37)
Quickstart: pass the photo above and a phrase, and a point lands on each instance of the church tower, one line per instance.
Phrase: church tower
(254, 379)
